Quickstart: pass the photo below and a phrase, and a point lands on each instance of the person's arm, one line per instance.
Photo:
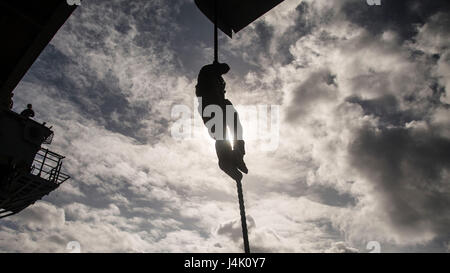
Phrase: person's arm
(209, 85)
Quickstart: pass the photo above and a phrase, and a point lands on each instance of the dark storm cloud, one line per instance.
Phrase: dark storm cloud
(410, 169)
(403, 16)
(303, 26)
(265, 34)
(386, 108)
(407, 165)
(330, 196)
(318, 87)
(323, 194)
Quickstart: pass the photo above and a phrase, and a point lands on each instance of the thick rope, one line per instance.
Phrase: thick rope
(243, 219)
(216, 42)
(239, 184)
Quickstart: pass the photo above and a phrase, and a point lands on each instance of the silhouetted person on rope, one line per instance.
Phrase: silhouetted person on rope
(210, 90)
(29, 113)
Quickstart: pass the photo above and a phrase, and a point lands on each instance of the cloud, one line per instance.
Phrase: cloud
(43, 215)
(315, 90)
(386, 108)
(409, 169)
(399, 16)
(341, 247)
(233, 228)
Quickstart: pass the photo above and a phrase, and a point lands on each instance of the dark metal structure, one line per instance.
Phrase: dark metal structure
(22, 189)
(234, 15)
(28, 172)
(26, 27)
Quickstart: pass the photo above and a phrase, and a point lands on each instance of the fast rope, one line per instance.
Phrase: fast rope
(243, 219)
(216, 39)
(238, 183)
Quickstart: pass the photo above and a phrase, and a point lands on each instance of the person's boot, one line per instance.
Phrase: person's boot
(230, 170)
(239, 161)
(227, 162)
(239, 145)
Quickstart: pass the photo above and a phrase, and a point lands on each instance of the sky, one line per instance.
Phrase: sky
(362, 154)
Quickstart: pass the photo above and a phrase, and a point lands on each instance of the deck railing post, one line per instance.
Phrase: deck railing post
(43, 162)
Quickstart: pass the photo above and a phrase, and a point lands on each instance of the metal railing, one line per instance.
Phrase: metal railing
(47, 165)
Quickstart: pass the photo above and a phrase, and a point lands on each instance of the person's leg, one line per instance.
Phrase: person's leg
(224, 150)
(212, 115)
(235, 126)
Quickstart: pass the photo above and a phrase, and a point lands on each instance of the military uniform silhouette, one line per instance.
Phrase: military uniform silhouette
(29, 113)
(211, 89)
